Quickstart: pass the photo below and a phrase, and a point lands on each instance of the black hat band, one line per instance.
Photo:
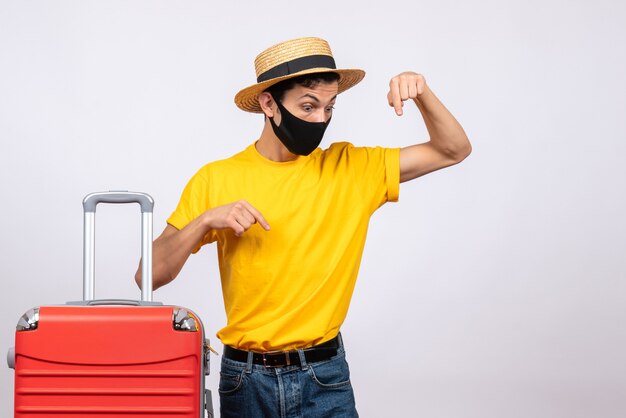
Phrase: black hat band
(296, 65)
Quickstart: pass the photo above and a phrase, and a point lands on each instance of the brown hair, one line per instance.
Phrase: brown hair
(307, 80)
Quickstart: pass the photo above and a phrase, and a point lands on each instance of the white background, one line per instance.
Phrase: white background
(495, 288)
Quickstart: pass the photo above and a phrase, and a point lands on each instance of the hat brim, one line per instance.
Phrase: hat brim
(247, 99)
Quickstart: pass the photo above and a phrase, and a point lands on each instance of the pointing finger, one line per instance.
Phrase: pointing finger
(256, 215)
(394, 97)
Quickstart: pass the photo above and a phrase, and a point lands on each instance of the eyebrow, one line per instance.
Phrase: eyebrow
(315, 98)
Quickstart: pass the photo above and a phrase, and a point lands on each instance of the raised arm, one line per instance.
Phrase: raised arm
(173, 247)
(448, 144)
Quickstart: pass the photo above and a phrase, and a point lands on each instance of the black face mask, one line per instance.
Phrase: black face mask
(299, 136)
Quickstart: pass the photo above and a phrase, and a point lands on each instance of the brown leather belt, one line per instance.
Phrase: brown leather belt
(320, 352)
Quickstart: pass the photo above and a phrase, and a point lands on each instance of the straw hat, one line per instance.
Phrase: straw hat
(291, 59)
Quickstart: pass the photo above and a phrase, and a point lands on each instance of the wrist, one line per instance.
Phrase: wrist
(206, 220)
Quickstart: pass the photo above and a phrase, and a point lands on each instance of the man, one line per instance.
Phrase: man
(290, 221)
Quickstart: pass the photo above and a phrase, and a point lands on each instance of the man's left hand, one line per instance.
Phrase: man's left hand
(405, 86)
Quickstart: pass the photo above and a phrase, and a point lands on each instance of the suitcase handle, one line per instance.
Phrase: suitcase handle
(122, 196)
(89, 239)
(105, 302)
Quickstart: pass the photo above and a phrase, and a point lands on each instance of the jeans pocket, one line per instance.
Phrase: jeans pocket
(331, 374)
(230, 381)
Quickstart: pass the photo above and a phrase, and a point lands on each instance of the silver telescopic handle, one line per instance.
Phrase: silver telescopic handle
(89, 239)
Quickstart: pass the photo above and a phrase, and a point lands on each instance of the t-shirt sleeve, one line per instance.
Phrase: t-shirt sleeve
(392, 173)
(376, 172)
(193, 202)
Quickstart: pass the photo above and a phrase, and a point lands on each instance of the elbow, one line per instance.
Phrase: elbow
(454, 147)
(460, 151)
(465, 151)
(156, 280)
(138, 278)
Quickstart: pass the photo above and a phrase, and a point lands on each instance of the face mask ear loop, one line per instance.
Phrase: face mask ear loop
(278, 105)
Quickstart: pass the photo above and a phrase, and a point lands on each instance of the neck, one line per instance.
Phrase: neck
(270, 146)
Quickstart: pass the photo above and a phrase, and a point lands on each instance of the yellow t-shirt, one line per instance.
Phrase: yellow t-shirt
(290, 287)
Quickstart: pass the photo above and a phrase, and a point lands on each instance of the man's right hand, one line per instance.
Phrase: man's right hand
(238, 216)
(173, 247)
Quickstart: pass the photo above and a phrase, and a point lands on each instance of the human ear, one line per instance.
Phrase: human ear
(267, 103)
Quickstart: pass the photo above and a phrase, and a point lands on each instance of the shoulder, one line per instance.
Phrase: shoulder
(336, 150)
(346, 150)
(342, 147)
(338, 147)
(224, 164)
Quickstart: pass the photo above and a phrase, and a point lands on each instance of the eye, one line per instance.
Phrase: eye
(307, 107)
(330, 109)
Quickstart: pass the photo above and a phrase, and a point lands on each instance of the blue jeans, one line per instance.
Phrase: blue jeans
(310, 390)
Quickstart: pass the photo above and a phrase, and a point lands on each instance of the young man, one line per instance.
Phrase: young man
(290, 222)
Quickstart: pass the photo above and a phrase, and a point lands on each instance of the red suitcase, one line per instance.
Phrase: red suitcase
(111, 358)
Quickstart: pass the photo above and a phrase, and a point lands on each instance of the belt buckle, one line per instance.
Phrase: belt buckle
(274, 353)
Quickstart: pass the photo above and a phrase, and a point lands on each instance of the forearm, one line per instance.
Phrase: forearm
(172, 249)
(446, 133)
